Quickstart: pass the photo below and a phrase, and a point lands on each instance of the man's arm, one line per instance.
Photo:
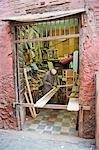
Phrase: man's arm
(48, 83)
(46, 80)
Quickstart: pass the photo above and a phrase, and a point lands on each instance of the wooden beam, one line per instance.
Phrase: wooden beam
(85, 107)
(65, 85)
(42, 101)
(55, 106)
(30, 108)
(15, 53)
(49, 38)
(42, 71)
(81, 120)
(44, 16)
(51, 106)
(29, 91)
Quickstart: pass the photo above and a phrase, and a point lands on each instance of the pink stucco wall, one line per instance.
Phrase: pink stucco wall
(7, 94)
(89, 64)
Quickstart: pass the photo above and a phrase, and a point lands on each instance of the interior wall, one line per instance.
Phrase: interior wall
(66, 46)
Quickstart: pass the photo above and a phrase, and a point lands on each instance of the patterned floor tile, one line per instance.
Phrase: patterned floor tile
(51, 119)
(36, 121)
(48, 132)
(59, 119)
(29, 129)
(56, 128)
(58, 123)
(41, 127)
(43, 122)
(53, 122)
(64, 130)
(55, 132)
(66, 124)
(33, 126)
(48, 128)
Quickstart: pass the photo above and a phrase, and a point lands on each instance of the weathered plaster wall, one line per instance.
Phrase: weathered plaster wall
(89, 64)
(7, 95)
(35, 6)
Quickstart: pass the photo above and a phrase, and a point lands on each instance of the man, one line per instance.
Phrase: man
(50, 80)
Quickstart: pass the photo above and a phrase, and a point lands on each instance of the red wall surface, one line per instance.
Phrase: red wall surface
(89, 57)
(7, 94)
(89, 64)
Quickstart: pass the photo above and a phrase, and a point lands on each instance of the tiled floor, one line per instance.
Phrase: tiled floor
(53, 122)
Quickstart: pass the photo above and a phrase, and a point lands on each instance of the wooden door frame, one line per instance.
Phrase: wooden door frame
(18, 107)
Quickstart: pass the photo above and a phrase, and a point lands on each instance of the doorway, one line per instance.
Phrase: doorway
(41, 46)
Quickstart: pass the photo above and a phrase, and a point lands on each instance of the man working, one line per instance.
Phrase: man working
(50, 80)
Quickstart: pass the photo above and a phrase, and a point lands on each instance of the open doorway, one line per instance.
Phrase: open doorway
(41, 47)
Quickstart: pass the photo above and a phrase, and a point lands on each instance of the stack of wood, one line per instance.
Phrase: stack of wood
(7, 119)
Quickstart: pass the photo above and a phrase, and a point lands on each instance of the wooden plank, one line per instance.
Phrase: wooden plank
(59, 27)
(29, 91)
(73, 104)
(85, 107)
(30, 108)
(42, 101)
(43, 71)
(65, 85)
(47, 106)
(40, 53)
(50, 38)
(16, 78)
(20, 59)
(64, 27)
(55, 29)
(22, 97)
(44, 16)
(55, 106)
(21, 70)
(69, 26)
(51, 106)
(20, 53)
(81, 120)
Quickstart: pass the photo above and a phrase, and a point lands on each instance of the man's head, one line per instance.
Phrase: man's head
(53, 72)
